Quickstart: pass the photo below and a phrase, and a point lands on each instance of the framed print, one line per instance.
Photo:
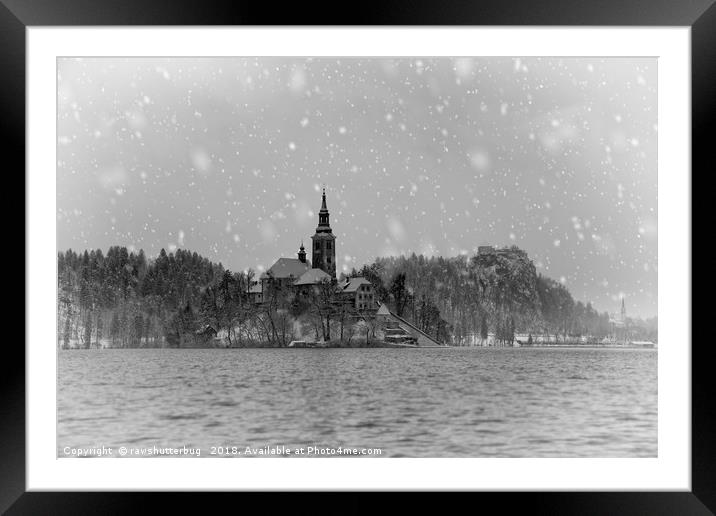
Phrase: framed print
(402, 255)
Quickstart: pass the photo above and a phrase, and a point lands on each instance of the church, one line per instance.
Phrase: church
(300, 275)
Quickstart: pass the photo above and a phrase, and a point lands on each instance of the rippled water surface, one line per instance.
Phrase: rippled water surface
(470, 402)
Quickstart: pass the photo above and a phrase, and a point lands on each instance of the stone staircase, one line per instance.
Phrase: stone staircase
(397, 335)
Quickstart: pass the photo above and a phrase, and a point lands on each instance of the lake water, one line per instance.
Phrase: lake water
(459, 402)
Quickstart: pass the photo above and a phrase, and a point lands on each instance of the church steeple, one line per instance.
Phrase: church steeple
(323, 214)
(324, 248)
(302, 253)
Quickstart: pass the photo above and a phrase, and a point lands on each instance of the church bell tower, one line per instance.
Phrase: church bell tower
(324, 243)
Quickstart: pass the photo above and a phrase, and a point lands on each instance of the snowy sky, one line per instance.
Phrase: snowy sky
(226, 157)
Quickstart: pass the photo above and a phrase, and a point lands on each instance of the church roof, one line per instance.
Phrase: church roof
(353, 284)
(286, 268)
(312, 276)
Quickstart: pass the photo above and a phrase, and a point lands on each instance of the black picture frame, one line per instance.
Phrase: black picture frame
(700, 15)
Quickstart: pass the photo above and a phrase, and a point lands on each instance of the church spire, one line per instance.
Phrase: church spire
(323, 222)
(324, 242)
(323, 204)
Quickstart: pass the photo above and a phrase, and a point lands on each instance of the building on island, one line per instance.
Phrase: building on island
(351, 296)
(284, 273)
(309, 279)
(358, 293)
(300, 275)
(256, 293)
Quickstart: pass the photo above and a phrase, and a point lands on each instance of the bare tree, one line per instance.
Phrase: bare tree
(322, 299)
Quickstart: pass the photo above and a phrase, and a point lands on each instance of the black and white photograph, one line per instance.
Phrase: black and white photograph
(434, 257)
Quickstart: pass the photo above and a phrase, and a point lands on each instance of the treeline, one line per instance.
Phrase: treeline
(123, 299)
(500, 293)
(181, 299)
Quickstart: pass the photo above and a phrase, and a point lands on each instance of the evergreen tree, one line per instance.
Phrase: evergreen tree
(124, 329)
(399, 292)
(98, 331)
(88, 331)
(114, 328)
(67, 332)
(511, 331)
(147, 328)
(138, 329)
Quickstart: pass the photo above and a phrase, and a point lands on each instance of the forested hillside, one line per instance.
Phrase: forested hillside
(499, 293)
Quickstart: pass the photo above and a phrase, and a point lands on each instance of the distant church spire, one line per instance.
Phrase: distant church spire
(302, 253)
(623, 312)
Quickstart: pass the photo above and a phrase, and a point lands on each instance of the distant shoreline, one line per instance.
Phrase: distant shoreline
(647, 344)
(398, 346)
